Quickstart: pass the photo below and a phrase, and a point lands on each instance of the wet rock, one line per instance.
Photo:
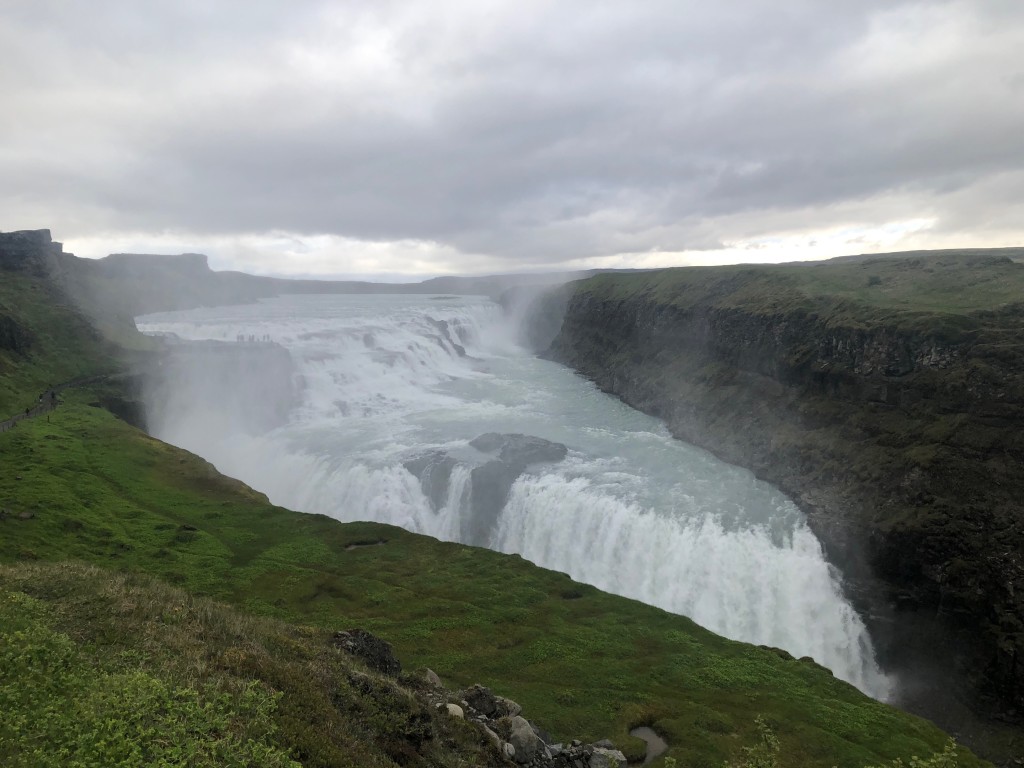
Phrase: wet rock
(492, 481)
(434, 470)
(373, 651)
(520, 450)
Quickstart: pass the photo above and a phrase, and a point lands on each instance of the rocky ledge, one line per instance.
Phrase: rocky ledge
(516, 740)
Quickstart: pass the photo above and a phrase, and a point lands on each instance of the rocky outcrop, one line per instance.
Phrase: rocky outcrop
(30, 250)
(512, 740)
(503, 458)
(901, 434)
(374, 652)
(519, 740)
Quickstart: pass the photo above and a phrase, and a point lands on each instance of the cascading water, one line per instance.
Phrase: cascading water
(394, 392)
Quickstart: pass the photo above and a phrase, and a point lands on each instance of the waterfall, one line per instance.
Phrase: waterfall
(393, 390)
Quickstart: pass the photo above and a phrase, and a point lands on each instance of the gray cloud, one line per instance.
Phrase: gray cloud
(518, 134)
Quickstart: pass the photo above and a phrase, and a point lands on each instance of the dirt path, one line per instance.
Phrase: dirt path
(47, 402)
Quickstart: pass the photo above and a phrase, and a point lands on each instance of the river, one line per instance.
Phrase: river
(384, 381)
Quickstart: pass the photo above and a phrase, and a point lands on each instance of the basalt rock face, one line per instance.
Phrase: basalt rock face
(901, 438)
(30, 250)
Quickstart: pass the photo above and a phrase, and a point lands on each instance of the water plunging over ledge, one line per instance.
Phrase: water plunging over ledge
(393, 389)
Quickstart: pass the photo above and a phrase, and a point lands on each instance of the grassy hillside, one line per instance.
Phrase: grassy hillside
(50, 342)
(583, 664)
(99, 668)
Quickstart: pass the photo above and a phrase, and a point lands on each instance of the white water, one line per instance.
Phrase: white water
(630, 510)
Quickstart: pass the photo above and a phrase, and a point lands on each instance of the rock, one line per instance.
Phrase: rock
(432, 678)
(481, 699)
(607, 758)
(506, 707)
(527, 743)
(520, 449)
(373, 651)
(433, 469)
(456, 711)
(604, 744)
(509, 750)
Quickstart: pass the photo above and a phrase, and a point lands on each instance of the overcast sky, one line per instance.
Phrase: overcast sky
(466, 136)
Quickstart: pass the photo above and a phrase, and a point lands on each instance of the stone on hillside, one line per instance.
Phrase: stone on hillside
(506, 707)
(481, 699)
(607, 758)
(432, 678)
(527, 743)
(456, 711)
(509, 750)
(373, 651)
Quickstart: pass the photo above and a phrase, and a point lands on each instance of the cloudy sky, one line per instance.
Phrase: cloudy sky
(379, 137)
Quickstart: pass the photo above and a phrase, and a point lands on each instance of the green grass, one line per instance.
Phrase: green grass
(584, 664)
(101, 669)
(62, 344)
(931, 290)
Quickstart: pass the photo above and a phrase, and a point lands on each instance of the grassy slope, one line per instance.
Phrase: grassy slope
(63, 345)
(583, 663)
(909, 292)
(141, 672)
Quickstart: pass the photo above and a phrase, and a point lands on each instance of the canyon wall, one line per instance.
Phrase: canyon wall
(896, 424)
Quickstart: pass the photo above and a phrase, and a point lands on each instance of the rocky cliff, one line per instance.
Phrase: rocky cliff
(887, 397)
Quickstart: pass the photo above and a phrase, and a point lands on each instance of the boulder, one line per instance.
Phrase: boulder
(481, 699)
(373, 651)
(527, 744)
(607, 758)
(506, 707)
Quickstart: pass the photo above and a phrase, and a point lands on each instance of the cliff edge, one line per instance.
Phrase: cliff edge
(886, 396)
